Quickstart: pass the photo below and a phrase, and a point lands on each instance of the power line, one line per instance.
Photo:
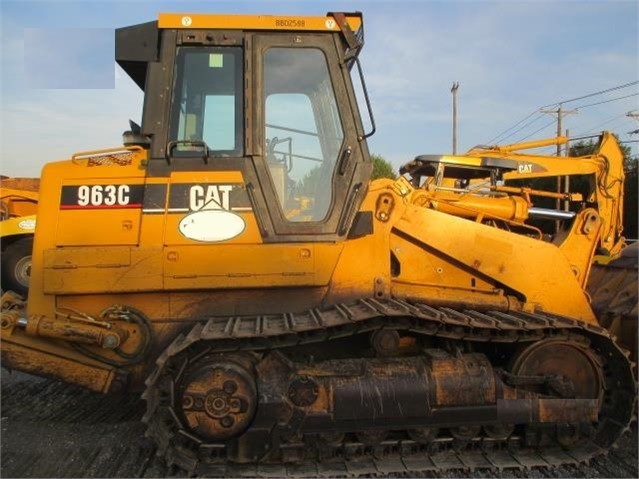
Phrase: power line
(552, 122)
(518, 129)
(510, 128)
(606, 101)
(601, 92)
(597, 127)
(559, 112)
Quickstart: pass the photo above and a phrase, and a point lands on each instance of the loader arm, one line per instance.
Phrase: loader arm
(492, 185)
(606, 164)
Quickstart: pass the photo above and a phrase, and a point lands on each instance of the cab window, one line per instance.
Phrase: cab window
(207, 102)
(303, 131)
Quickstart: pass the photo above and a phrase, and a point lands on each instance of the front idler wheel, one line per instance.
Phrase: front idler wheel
(218, 398)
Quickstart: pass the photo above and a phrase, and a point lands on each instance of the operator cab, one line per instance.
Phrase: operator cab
(266, 96)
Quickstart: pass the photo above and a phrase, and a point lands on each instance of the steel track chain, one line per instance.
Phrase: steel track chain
(267, 332)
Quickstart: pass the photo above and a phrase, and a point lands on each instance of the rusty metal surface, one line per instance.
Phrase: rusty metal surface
(218, 398)
(260, 333)
(26, 184)
(51, 429)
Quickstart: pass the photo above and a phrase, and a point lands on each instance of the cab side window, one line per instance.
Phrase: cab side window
(303, 134)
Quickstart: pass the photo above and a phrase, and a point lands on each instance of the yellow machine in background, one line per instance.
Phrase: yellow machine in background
(493, 185)
(233, 261)
(18, 206)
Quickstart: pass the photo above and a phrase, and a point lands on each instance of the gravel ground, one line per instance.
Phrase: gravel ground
(51, 429)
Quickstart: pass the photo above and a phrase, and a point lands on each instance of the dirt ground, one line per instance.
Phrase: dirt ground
(50, 429)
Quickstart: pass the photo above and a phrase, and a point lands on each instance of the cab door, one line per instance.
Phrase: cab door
(311, 161)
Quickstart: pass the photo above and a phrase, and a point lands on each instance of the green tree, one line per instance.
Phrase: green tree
(631, 184)
(631, 198)
(382, 168)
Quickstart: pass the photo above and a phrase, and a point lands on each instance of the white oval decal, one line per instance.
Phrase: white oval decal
(27, 224)
(212, 225)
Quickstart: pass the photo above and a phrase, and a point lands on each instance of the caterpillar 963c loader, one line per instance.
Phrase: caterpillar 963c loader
(280, 313)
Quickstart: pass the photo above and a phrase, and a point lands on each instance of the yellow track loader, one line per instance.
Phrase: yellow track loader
(279, 312)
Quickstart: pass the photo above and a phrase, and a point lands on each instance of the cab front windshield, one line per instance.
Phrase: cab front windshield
(207, 102)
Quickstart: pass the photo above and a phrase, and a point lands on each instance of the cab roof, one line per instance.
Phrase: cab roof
(137, 45)
(258, 22)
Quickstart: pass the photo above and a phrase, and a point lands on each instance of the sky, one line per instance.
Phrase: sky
(511, 59)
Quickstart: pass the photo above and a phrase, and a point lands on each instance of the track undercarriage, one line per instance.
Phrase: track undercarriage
(385, 386)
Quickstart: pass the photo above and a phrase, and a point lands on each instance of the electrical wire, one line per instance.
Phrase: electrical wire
(552, 122)
(601, 92)
(521, 128)
(606, 101)
(500, 136)
(514, 126)
(597, 127)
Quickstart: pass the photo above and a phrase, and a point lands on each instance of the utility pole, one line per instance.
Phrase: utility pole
(635, 115)
(453, 90)
(560, 112)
